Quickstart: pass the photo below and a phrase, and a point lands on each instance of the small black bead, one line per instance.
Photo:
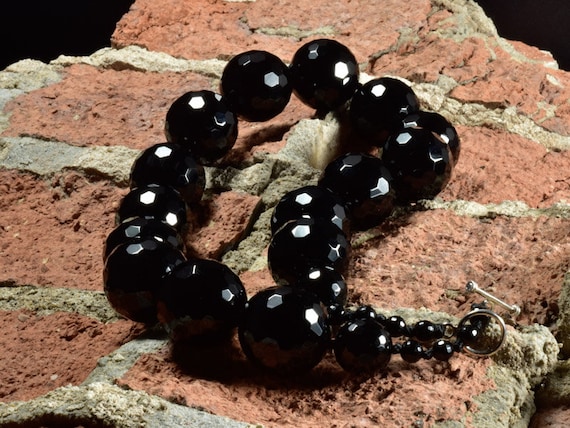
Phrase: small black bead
(442, 350)
(155, 201)
(324, 74)
(200, 298)
(328, 284)
(365, 312)
(284, 329)
(134, 272)
(299, 246)
(362, 345)
(396, 326)
(171, 165)
(439, 125)
(203, 124)
(426, 331)
(420, 162)
(378, 107)
(256, 85)
(411, 351)
(364, 185)
(310, 201)
(469, 335)
(139, 227)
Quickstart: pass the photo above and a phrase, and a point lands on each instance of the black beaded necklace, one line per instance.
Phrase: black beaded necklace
(290, 326)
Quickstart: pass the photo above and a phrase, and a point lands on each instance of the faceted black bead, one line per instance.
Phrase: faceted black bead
(139, 227)
(284, 329)
(396, 326)
(310, 201)
(420, 162)
(326, 283)
(362, 345)
(256, 85)
(439, 125)
(324, 74)
(203, 124)
(154, 201)
(442, 350)
(133, 273)
(364, 185)
(200, 298)
(426, 331)
(378, 107)
(411, 351)
(171, 165)
(302, 245)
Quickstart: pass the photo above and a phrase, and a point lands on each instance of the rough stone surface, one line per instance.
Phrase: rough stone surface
(70, 129)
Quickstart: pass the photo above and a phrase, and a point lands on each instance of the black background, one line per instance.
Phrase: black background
(44, 29)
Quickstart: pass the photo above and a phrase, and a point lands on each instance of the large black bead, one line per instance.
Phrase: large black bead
(202, 122)
(301, 245)
(364, 185)
(256, 85)
(420, 162)
(324, 74)
(363, 345)
(154, 201)
(200, 298)
(140, 227)
(169, 164)
(310, 201)
(439, 125)
(378, 107)
(284, 329)
(328, 284)
(133, 273)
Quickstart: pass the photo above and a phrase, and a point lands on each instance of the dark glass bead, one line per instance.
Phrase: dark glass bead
(411, 351)
(420, 162)
(154, 201)
(284, 329)
(171, 165)
(378, 107)
(256, 85)
(426, 331)
(364, 185)
(362, 345)
(310, 201)
(133, 273)
(438, 124)
(301, 245)
(365, 312)
(442, 350)
(337, 315)
(326, 283)
(324, 74)
(396, 326)
(469, 335)
(203, 124)
(139, 227)
(200, 298)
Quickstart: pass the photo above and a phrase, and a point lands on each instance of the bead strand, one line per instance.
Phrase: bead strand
(288, 327)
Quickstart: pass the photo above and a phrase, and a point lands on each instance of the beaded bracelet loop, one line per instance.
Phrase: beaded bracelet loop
(290, 326)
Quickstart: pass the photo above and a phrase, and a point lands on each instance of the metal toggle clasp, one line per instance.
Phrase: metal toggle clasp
(473, 287)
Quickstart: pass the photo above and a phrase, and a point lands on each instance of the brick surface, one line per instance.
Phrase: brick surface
(70, 129)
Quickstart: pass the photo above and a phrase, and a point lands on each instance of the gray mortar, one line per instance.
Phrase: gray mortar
(47, 300)
(104, 405)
